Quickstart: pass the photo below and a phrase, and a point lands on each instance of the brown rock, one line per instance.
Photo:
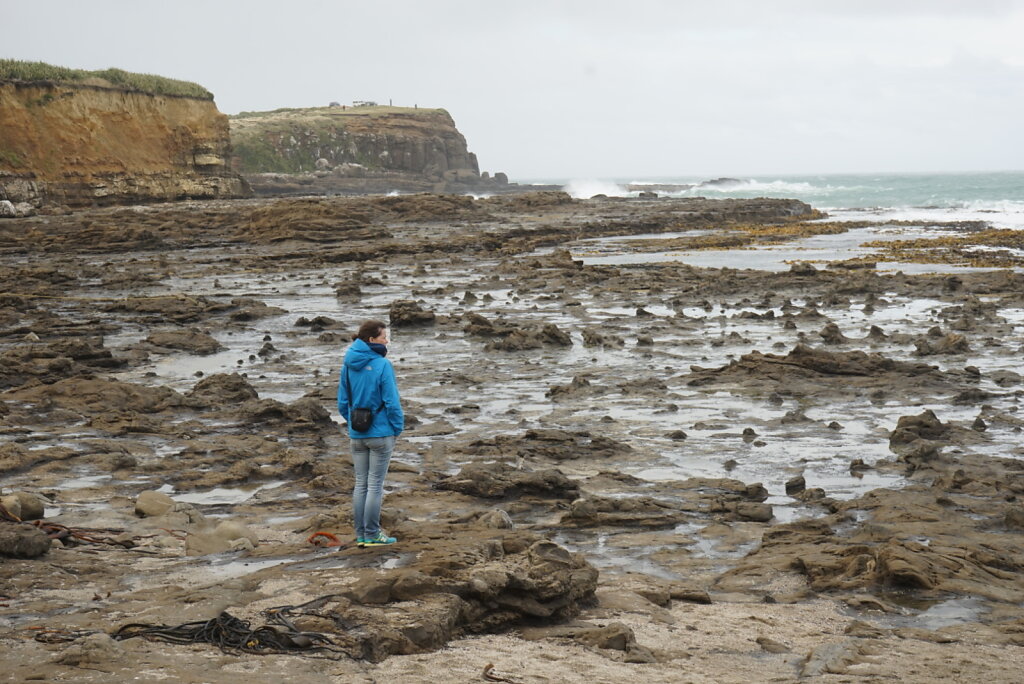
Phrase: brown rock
(25, 505)
(926, 425)
(924, 635)
(643, 511)
(496, 519)
(861, 629)
(1014, 518)
(550, 445)
(222, 389)
(595, 338)
(771, 646)
(407, 312)
(498, 480)
(796, 485)
(854, 368)
(151, 503)
(832, 335)
(690, 595)
(374, 589)
(830, 658)
(757, 512)
(93, 649)
(190, 340)
(803, 268)
(93, 395)
(952, 343)
(1005, 378)
(22, 541)
(302, 414)
(616, 636)
(229, 535)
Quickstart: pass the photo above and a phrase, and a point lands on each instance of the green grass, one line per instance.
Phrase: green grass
(259, 156)
(251, 115)
(10, 159)
(338, 111)
(11, 69)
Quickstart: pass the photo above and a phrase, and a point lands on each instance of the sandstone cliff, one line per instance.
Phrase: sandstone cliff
(84, 144)
(355, 149)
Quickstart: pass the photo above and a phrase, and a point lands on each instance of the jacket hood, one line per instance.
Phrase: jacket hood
(359, 354)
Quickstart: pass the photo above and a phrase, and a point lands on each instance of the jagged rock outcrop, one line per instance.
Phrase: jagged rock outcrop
(85, 144)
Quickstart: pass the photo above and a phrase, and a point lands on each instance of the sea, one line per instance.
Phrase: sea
(994, 197)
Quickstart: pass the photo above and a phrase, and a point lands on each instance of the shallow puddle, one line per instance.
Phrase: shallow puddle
(818, 248)
(82, 482)
(614, 560)
(220, 495)
(928, 612)
(354, 557)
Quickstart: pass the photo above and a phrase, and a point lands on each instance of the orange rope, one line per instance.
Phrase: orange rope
(323, 539)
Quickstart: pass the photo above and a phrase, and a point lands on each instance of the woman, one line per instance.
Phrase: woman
(368, 382)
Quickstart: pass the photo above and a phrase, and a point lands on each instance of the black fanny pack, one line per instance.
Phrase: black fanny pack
(360, 419)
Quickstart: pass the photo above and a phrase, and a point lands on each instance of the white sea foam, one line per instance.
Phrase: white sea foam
(752, 188)
(773, 187)
(588, 187)
(584, 188)
(997, 207)
(1000, 214)
(995, 198)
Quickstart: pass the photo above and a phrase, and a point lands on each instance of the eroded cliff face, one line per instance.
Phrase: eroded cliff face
(84, 145)
(353, 141)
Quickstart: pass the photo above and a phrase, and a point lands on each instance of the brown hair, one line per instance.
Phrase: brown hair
(370, 329)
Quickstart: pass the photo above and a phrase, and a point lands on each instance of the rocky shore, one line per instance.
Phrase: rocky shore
(609, 471)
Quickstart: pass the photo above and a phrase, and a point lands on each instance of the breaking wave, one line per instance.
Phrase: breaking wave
(775, 187)
(998, 214)
(994, 197)
(587, 188)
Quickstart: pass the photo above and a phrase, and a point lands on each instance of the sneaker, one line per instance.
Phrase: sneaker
(380, 540)
(360, 541)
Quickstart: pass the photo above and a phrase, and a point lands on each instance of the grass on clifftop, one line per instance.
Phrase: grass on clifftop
(286, 112)
(12, 69)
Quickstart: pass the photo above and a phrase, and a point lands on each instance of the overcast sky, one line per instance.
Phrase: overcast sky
(597, 89)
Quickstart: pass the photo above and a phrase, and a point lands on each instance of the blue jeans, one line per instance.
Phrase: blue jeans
(370, 457)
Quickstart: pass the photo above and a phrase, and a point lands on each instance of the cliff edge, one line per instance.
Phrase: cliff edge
(86, 141)
(354, 149)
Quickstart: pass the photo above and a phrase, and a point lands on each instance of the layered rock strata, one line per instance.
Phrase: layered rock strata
(89, 145)
(330, 150)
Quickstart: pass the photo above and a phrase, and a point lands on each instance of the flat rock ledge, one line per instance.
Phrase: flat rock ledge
(480, 583)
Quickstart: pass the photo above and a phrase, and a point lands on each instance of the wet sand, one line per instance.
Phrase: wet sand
(620, 465)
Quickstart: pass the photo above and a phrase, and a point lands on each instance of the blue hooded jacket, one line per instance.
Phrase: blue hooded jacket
(372, 382)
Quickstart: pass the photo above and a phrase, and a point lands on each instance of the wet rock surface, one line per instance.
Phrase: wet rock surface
(629, 465)
(499, 481)
(22, 541)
